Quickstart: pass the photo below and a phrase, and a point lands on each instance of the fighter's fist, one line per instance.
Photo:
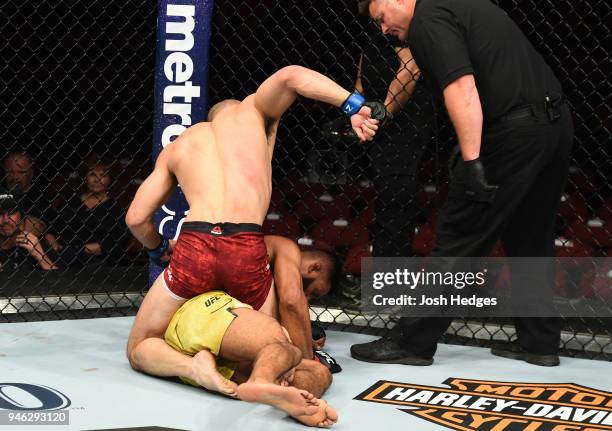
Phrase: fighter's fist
(364, 125)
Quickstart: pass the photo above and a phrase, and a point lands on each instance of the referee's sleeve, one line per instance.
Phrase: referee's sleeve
(439, 47)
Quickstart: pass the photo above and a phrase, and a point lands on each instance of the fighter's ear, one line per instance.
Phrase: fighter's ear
(314, 267)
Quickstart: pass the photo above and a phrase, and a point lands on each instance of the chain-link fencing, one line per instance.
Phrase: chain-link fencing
(77, 118)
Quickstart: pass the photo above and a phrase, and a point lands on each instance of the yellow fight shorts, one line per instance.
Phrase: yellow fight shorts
(200, 324)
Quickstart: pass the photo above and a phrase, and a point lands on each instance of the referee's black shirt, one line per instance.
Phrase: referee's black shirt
(453, 38)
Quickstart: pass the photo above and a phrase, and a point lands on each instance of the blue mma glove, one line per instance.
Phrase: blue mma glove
(156, 254)
(353, 103)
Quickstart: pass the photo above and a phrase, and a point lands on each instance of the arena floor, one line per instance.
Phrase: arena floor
(84, 360)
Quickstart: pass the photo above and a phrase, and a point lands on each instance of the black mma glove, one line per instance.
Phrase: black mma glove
(318, 335)
(379, 112)
(326, 359)
(340, 128)
(470, 177)
(355, 101)
(158, 252)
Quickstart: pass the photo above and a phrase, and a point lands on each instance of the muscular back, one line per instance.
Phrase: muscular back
(224, 166)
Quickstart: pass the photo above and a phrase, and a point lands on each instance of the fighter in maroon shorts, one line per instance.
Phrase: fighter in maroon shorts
(222, 256)
(224, 169)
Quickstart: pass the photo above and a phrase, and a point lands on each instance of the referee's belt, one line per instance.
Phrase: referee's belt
(548, 110)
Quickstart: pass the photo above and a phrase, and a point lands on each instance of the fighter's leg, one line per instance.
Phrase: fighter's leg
(254, 336)
(312, 376)
(148, 352)
(146, 349)
(315, 378)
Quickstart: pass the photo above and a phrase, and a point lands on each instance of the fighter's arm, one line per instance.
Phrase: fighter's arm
(293, 306)
(276, 94)
(280, 90)
(358, 81)
(401, 88)
(150, 196)
(465, 111)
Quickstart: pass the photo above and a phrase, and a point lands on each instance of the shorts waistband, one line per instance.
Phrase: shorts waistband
(221, 229)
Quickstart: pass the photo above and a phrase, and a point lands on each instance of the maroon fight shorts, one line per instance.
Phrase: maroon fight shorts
(222, 256)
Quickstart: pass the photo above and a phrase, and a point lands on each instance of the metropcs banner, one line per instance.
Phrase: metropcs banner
(181, 90)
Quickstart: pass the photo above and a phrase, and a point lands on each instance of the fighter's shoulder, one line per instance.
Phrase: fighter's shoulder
(197, 129)
(190, 136)
(279, 246)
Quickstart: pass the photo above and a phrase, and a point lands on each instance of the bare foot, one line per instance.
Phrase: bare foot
(205, 374)
(324, 416)
(298, 403)
(293, 401)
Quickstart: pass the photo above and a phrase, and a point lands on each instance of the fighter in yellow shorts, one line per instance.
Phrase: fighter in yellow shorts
(229, 340)
(200, 324)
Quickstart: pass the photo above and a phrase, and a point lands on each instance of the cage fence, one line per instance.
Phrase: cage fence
(77, 114)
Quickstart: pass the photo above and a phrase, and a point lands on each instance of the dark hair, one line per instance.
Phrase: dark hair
(19, 153)
(9, 202)
(332, 266)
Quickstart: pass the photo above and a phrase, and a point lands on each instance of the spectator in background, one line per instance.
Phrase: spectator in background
(21, 237)
(93, 228)
(33, 200)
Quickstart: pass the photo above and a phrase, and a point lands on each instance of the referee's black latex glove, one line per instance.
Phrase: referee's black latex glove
(471, 177)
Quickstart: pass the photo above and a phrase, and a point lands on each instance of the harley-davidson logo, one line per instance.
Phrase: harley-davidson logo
(469, 405)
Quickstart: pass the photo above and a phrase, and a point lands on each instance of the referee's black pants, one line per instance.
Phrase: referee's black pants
(528, 159)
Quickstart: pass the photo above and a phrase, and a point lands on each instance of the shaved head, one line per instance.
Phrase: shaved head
(218, 107)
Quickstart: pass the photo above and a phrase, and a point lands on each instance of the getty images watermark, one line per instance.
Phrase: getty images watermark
(488, 287)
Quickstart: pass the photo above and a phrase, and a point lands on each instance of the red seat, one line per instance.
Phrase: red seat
(432, 196)
(566, 247)
(599, 283)
(498, 250)
(580, 181)
(278, 202)
(433, 169)
(281, 224)
(504, 280)
(423, 242)
(605, 211)
(360, 191)
(572, 208)
(323, 206)
(368, 215)
(352, 263)
(595, 232)
(341, 232)
(297, 185)
(307, 243)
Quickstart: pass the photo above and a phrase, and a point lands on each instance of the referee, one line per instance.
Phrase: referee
(515, 136)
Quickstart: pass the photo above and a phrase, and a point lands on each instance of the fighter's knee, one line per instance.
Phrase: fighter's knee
(132, 357)
(278, 334)
(133, 354)
(322, 374)
(318, 371)
(293, 351)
